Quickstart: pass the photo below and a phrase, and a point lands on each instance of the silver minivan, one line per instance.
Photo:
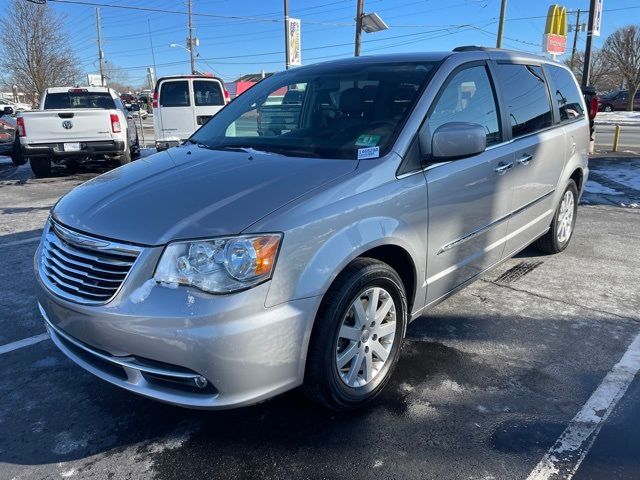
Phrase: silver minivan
(239, 266)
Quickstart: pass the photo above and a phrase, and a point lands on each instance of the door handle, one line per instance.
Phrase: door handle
(525, 159)
(502, 168)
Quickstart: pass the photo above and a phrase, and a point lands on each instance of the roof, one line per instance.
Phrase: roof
(253, 77)
(88, 89)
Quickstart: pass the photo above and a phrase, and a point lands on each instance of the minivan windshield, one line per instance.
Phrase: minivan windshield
(335, 111)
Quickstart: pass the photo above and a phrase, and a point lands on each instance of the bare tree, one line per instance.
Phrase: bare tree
(622, 48)
(34, 50)
(604, 75)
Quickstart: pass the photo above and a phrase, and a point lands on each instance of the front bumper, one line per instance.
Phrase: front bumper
(87, 149)
(246, 352)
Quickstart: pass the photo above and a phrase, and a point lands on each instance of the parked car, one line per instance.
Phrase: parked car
(182, 104)
(618, 100)
(236, 266)
(9, 142)
(17, 106)
(128, 99)
(77, 124)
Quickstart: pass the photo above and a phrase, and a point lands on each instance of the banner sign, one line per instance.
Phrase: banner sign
(597, 19)
(555, 33)
(295, 50)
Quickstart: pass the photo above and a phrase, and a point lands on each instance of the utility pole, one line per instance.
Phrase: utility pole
(359, 14)
(586, 70)
(503, 13)
(287, 45)
(190, 40)
(575, 39)
(153, 55)
(100, 52)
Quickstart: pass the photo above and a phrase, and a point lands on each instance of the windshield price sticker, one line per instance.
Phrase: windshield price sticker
(371, 152)
(367, 140)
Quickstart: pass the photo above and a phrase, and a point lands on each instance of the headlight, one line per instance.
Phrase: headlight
(220, 265)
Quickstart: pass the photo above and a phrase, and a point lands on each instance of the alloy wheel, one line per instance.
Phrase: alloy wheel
(366, 337)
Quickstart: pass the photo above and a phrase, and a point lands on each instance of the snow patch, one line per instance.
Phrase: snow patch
(141, 293)
(171, 285)
(65, 443)
(594, 187)
(68, 473)
(452, 386)
(618, 118)
(421, 410)
(190, 299)
(378, 463)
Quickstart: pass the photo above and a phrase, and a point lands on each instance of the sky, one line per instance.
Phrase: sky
(246, 36)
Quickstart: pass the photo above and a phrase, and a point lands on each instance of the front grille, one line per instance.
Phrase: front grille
(82, 268)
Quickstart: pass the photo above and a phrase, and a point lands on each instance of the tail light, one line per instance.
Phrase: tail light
(115, 123)
(21, 130)
(155, 99)
(227, 97)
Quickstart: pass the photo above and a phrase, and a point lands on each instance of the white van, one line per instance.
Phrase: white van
(182, 104)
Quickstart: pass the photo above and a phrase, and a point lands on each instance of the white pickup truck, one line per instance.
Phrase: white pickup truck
(75, 125)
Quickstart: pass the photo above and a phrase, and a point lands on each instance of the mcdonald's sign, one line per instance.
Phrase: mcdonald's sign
(555, 31)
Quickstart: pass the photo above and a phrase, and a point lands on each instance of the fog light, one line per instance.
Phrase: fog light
(200, 381)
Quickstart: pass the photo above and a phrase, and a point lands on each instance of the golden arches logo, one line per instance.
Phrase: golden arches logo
(556, 21)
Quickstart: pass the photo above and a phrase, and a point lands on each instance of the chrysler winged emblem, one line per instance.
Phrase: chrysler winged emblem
(67, 124)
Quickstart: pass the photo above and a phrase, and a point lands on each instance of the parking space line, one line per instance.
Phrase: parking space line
(20, 242)
(565, 456)
(25, 342)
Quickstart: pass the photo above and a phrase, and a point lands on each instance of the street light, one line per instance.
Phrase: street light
(177, 45)
(369, 22)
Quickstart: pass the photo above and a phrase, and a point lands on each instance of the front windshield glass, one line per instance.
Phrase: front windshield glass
(339, 111)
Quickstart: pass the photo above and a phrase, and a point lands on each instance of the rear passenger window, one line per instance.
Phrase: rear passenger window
(468, 97)
(566, 92)
(174, 94)
(525, 92)
(207, 93)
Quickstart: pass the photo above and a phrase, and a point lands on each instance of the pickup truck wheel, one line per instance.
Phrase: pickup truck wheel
(16, 157)
(41, 167)
(356, 339)
(564, 220)
(125, 157)
(135, 149)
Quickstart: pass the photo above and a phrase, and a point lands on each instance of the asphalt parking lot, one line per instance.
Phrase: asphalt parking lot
(488, 382)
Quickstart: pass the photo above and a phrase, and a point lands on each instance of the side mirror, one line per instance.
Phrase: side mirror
(8, 111)
(458, 140)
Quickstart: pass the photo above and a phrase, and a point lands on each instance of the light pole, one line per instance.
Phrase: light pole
(367, 22)
(503, 13)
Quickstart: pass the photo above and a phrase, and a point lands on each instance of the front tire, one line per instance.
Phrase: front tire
(562, 226)
(41, 167)
(356, 339)
(608, 108)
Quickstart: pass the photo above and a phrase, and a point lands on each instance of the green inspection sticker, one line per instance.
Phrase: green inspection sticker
(367, 140)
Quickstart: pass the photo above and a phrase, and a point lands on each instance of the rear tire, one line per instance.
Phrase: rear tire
(41, 167)
(562, 226)
(350, 361)
(608, 108)
(125, 157)
(135, 149)
(16, 157)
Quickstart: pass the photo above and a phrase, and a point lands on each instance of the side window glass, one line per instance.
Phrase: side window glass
(174, 94)
(207, 93)
(468, 97)
(567, 94)
(525, 92)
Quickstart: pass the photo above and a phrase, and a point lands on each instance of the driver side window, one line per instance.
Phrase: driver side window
(468, 97)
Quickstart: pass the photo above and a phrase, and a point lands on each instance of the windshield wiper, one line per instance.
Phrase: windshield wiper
(242, 148)
(196, 143)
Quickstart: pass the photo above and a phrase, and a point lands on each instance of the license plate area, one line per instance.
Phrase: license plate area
(71, 147)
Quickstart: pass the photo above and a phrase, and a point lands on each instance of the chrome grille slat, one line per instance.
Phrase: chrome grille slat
(79, 253)
(51, 259)
(73, 280)
(61, 255)
(82, 268)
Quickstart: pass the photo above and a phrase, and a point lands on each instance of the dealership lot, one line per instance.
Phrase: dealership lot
(487, 382)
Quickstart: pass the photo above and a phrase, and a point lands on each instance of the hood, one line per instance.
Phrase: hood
(190, 192)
